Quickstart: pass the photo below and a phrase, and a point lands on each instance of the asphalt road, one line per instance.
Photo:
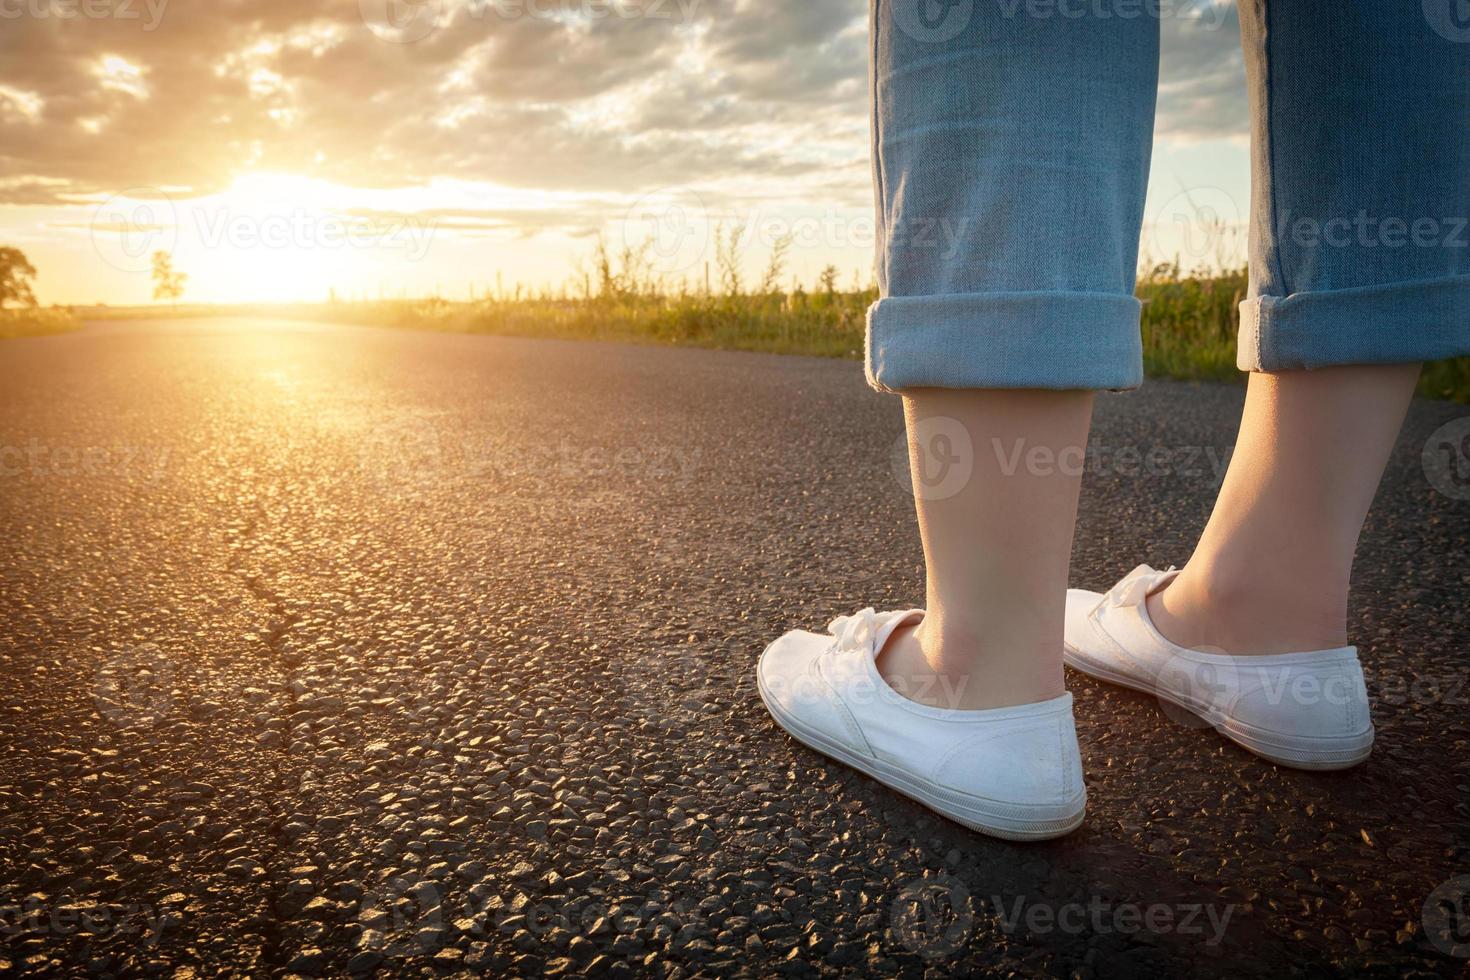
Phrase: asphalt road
(334, 649)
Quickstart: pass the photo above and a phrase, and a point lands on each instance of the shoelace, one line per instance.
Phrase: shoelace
(855, 632)
(1134, 586)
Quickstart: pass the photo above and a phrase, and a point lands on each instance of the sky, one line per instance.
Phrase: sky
(294, 149)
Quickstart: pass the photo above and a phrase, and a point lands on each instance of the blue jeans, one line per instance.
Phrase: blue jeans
(1011, 143)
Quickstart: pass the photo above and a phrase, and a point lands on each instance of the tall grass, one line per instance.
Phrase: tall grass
(1189, 322)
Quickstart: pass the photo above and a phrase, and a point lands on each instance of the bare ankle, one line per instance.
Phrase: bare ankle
(959, 668)
(1250, 615)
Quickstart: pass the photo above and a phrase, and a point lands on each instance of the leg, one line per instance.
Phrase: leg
(995, 552)
(997, 317)
(1369, 269)
(1270, 574)
(1010, 158)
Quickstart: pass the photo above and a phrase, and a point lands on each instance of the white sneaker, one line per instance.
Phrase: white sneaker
(1305, 710)
(1011, 772)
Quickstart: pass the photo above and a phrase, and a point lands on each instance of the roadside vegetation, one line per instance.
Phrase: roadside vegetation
(1189, 317)
(19, 314)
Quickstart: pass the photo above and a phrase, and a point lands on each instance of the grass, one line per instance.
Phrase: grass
(1189, 319)
(35, 321)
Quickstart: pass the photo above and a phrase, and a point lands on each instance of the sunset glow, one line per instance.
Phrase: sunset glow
(297, 151)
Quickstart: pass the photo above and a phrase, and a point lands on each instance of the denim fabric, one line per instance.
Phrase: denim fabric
(1360, 183)
(1011, 148)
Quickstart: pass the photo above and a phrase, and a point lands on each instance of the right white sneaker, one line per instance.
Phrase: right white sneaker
(1305, 710)
(1008, 772)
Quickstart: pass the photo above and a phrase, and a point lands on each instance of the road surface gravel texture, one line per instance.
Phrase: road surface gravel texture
(333, 650)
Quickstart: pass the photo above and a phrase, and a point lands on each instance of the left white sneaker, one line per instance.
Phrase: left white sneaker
(1305, 710)
(1014, 772)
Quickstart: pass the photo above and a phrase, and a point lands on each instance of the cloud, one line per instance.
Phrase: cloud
(555, 95)
(1202, 76)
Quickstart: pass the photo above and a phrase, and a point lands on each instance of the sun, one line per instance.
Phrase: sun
(285, 237)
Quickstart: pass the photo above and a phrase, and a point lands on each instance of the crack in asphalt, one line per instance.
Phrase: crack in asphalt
(275, 951)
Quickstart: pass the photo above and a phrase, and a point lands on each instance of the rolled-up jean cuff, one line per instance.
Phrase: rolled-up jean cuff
(1058, 340)
(1406, 321)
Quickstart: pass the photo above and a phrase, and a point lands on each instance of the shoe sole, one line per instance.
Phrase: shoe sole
(1008, 821)
(1296, 752)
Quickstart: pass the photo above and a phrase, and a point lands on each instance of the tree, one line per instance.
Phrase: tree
(16, 273)
(167, 284)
